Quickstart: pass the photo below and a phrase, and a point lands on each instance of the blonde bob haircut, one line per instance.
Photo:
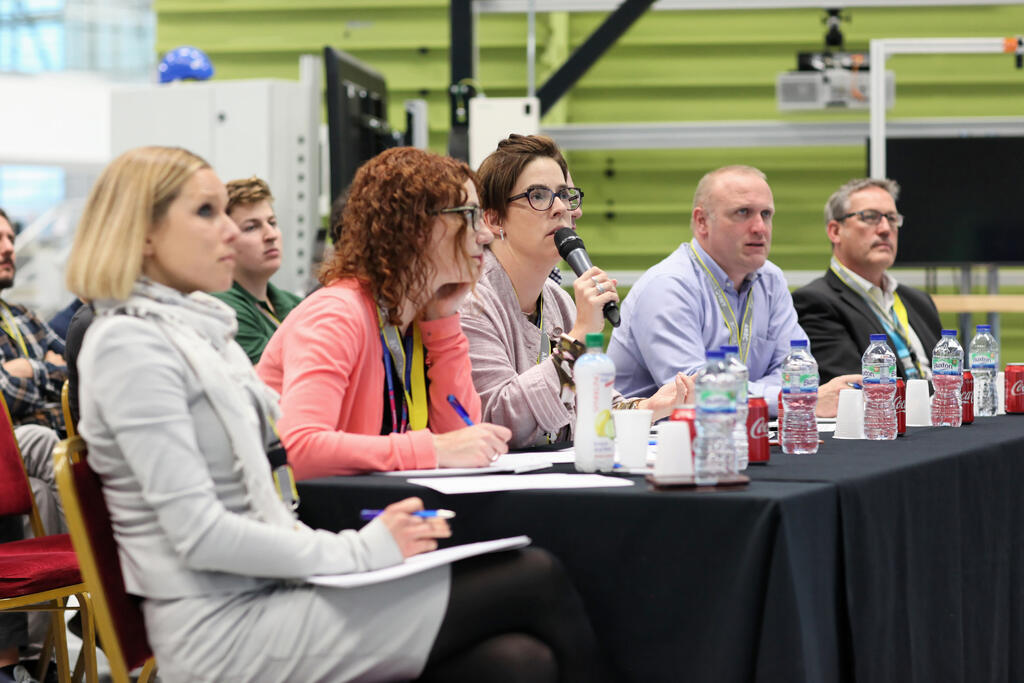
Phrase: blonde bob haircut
(131, 196)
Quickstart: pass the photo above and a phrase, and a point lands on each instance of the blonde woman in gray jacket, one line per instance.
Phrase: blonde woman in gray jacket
(178, 424)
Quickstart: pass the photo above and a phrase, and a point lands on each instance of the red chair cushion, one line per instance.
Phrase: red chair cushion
(35, 565)
(15, 495)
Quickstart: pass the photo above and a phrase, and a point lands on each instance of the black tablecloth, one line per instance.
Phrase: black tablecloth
(897, 561)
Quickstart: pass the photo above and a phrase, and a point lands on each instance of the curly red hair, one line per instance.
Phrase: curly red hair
(387, 224)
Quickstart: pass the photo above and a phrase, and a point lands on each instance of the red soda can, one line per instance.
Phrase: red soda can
(901, 407)
(686, 414)
(780, 418)
(967, 398)
(757, 430)
(1014, 384)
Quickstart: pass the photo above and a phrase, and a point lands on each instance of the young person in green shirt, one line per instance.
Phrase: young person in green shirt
(259, 305)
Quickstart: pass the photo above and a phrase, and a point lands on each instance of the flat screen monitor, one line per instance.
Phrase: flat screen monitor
(961, 198)
(357, 116)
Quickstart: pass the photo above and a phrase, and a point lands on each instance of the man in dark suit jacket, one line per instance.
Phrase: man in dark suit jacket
(857, 297)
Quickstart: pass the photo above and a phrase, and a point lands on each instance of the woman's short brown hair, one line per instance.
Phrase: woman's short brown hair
(246, 191)
(500, 171)
(387, 223)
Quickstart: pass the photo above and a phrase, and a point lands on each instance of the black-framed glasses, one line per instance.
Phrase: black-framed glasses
(474, 215)
(541, 198)
(873, 218)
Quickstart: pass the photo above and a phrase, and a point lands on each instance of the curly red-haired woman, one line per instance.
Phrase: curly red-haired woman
(365, 364)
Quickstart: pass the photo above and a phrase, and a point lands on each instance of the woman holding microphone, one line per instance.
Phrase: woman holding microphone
(524, 330)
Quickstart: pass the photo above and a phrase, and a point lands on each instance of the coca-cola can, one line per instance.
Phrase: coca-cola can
(780, 417)
(686, 414)
(1014, 384)
(757, 429)
(901, 407)
(967, 398)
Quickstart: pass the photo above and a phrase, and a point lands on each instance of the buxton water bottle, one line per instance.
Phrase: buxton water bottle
(799, 398)
(984, 357)
(947, 375)
(878, 367)
(739, 431)
(714, 454)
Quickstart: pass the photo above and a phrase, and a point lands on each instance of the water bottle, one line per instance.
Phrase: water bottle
(714, 454)
(799, 397)
(594, 375)
(739, 431)
(878, 366)
(947, 375)
(984, 355)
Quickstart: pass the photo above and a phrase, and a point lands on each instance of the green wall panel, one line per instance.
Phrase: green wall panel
(670, 66)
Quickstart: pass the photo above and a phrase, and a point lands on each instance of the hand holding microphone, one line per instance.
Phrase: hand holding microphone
(570, 247)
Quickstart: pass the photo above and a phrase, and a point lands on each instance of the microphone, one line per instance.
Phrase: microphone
(570, 247)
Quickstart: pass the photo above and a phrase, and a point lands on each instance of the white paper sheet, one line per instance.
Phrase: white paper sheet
(518, 482)
(419, 563)
(510, 462)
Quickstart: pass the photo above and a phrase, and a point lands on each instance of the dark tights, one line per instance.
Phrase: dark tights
(513, 616)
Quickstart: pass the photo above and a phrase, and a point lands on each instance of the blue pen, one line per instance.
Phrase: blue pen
(454, 402)
(855, 385)
(367, 515)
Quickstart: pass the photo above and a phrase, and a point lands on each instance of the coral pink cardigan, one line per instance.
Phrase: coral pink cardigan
(326, 362)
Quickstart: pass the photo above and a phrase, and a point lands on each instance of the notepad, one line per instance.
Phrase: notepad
(419, 563)
(519, 482)
(510, 462)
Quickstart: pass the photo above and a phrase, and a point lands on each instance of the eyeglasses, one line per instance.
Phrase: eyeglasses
(873, 218)
(474, 215)
(541, 198)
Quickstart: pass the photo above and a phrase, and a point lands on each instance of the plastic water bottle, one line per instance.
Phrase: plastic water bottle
(594, 375)
(984, 355)
(714, 454)
(799, 397)
(947, 376)
(739, 430)
(878, 366)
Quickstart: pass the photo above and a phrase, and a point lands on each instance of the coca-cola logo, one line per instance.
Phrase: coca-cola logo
(1017, 389)
(967, 397)
(759, 429)
(901, 403)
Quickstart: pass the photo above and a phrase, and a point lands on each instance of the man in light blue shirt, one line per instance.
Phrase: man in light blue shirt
(719, 288)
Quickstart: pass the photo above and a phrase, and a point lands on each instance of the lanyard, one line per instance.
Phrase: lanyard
(13, 331)
(269, 315)
(895, 326)
(544, 348)
(414, 375)
(739, 333)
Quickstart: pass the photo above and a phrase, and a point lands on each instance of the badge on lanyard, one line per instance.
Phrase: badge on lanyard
(739, 332)
(413, 375)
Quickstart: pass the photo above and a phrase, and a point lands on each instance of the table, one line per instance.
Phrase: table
(897, 561)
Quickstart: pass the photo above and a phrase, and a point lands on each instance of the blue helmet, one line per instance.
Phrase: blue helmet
(185, 62)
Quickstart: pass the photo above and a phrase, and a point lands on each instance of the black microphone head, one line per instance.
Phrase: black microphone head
(567, 240)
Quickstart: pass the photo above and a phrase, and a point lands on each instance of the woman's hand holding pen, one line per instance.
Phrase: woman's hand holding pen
(413, 534)
(476, 446)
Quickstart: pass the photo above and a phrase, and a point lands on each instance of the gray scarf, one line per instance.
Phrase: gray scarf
(202, 329)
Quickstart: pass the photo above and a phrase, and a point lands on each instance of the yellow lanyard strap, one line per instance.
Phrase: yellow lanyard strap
(740, 332)
(13, 331)
(417, 400)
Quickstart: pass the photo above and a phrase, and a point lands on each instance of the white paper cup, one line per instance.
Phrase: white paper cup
(1000, 393)
(632, 432)
(919, 407)
(850, 415)
(675, 454)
